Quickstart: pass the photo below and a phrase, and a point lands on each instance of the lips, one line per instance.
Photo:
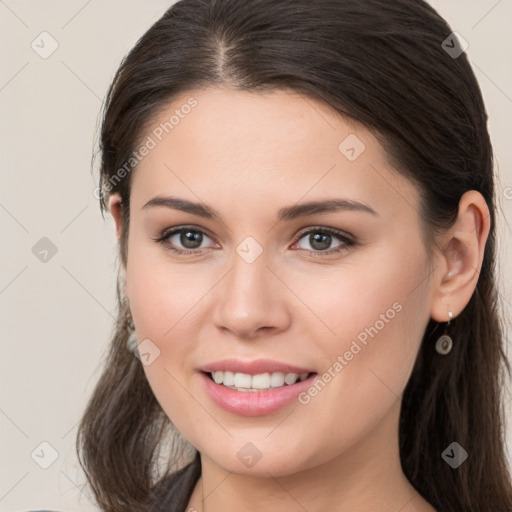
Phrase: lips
(254, 403)
(254, 367)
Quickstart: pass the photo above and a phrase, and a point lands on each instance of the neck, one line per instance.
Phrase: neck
(366, 477)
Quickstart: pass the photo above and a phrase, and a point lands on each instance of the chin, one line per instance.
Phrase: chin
(251, 461)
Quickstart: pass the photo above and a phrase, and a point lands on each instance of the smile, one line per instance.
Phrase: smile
(244, 399)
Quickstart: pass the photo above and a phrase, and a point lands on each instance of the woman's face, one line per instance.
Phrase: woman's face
(342, 295)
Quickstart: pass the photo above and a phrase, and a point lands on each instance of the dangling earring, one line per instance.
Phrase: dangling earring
(131, 342)
(444, 343)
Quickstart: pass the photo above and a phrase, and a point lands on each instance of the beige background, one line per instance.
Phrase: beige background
(56, 317)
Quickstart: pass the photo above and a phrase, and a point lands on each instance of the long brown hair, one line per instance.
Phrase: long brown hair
(385, 64)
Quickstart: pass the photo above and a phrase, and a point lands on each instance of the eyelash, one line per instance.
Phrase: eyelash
(347, 242)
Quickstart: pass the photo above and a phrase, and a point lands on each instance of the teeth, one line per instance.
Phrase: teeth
(246, 382)
(242, 380)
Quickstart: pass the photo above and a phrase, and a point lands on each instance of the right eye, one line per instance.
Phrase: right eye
(189, 237)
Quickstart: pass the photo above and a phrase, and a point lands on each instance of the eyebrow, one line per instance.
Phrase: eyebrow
(284, 214)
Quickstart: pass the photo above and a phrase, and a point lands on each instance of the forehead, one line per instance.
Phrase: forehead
(258, 147)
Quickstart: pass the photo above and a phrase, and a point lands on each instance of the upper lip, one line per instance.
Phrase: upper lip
(254, 367)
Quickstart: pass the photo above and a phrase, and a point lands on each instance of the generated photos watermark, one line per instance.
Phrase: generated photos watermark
(149, 143)
(343, 360)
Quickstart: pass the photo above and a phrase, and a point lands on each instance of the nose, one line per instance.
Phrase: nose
(251, 300)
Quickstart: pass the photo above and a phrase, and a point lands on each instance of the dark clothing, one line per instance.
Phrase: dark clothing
(173, 493)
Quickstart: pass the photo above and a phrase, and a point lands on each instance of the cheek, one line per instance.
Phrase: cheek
(378, 324)
(164, 307)
(373, 319)
(376, 289)
(162, 293)
(166, 301)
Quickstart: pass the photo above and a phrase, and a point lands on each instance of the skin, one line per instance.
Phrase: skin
(247, 155)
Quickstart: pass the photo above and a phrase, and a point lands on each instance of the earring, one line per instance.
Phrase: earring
(444, 343)
(131, 342)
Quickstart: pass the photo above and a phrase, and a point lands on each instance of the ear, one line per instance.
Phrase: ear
(462, 253)
(116, 209)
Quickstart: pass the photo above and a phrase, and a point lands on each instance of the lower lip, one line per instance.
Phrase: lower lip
(254, 403)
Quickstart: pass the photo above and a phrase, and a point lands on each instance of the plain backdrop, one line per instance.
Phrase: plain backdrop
(57, 314)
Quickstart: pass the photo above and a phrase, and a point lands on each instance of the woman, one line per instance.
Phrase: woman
(304, 202)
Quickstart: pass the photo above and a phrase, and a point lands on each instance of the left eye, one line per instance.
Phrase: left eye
(321, 238)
